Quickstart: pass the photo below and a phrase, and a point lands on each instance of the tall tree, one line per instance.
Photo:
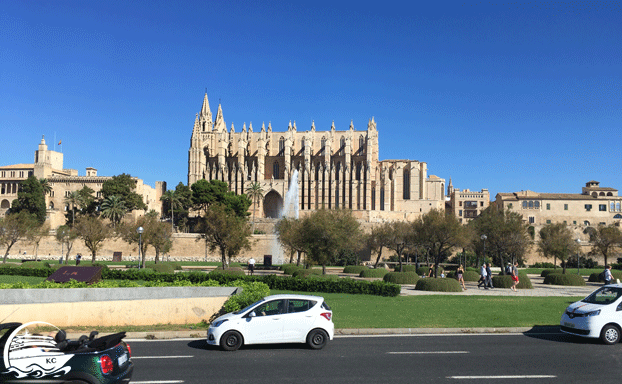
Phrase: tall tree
(15, 227)
(123, 185)
(289, 233)
(556, 240)
(401, 235)
(255, 193)
(439, 232)
(36, 234)
(378, 239)
(30, 198)
(66, 236)
(223, 230)
(113, 208)
(156, 234)
(326, 233)
(171, 203)
(606, 240)
(46, 186)
(93, 231)
(73, 201)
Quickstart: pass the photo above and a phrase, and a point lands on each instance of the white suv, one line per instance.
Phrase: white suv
(275, 319)
(598, 315)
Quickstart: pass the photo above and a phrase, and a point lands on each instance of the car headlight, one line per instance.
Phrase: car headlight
(219, 322)
(593, 313)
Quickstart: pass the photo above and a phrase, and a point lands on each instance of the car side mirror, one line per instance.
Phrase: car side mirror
(252, 314)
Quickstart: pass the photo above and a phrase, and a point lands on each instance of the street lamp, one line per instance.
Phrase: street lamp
(140, 231)
(484, 237)
(578, 255)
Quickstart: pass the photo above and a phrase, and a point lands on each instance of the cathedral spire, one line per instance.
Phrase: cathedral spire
(205, 111)
(219, 124)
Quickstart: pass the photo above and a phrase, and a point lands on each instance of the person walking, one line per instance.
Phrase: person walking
(488, 277)
(78, 259)
(608, 275)
(251, 265)
(515, 276)
(482, 277)
(460, 274)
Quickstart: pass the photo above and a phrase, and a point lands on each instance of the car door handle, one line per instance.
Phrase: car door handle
(276, 318)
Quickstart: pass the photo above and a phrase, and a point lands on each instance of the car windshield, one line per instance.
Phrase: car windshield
(605, 295)
(248, 307)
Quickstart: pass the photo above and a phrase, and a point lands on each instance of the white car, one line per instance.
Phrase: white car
(598, 316)
(275, 319)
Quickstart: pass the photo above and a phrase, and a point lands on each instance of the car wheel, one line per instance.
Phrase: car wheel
(610, 334)
(317, 339)
(231, 341)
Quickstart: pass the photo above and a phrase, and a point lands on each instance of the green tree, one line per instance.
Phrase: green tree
(15, 227)
(123, 185)
(223, 230)
(289, 233)
(326, 233)
(66, 236)
(156, 234)
(378, 239)
(556, 240)
(400, 236)
(46, 186)
(606, 240)
(207, 193)
(93, 231)
(30, 198)
(171, 203)
(36, 234)
(439, 232)
(73, 201)
(113, 208)
(255, 193)
(87, 202)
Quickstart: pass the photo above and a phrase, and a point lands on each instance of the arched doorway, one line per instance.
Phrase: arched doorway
(5, 204)
(272, 205)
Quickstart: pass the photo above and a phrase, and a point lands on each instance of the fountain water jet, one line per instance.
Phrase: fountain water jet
(291, 210)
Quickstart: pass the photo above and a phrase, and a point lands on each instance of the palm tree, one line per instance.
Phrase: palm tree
(113, 208)
(45, 184)
(174, 202)
(73, 200)
(254, 192)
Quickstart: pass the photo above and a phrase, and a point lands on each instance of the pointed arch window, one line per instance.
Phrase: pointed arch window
(406, 188)
(275, 170)
(361, 144)
(302, 144)
(342, 146)
(282, 146)
(323, 146)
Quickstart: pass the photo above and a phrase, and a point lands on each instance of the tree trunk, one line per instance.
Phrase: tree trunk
(157, 256)
(323, 269)
(94, 254)
(298, 261)
(223, 255)
(378, 258)
(399, 258)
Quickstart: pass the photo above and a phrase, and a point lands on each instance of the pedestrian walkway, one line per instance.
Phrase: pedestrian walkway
(539, 289)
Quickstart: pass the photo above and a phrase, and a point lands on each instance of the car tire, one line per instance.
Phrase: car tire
(610, 334)
(231, 341)
(317, 339)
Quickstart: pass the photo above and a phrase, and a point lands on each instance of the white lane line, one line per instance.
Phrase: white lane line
(503, 377)
(158, 382)
(159, 357)
(425, 352)
(155, 340)
(441, 334)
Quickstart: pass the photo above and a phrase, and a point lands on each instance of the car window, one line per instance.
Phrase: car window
(248, 307)
(274, 307)
(300, 305)
(605, 295)
(325, 306)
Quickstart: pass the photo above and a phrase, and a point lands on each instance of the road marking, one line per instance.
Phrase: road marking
(159, 357)
(443, 334)
(174, 339)
(425, 352)
(158, 382)
(503, 377)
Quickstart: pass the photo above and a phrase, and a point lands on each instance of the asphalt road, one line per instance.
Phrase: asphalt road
(460, 359)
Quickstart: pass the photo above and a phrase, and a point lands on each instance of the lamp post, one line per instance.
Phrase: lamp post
(140, 231)
(578, 256)
(484, 237)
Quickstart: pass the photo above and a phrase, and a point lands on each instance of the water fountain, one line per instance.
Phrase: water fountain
(291, 210)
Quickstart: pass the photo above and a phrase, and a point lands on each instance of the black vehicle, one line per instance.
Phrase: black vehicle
(35, 358)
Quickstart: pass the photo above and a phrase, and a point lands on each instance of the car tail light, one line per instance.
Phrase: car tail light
(129, 349)
(106, 363)
(326, 315)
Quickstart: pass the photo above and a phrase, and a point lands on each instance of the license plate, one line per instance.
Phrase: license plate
(569, 325)
(123, 359)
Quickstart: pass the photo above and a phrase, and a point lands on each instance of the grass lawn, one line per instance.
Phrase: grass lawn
(10, 279)
(442, 311)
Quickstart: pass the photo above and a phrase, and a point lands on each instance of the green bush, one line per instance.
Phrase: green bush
(228, 271)
(376, 272)
(36, 264)
(438, 285)
(252, 291)
(543, 265)
(476, 270)
(401, 277)
(471, 275)
(282, 266)
(505, 281)
(423, 271)
(564, 279)
(307, 272)
(595, 277)
(354, 269)
(406, 268)
(547, 272)
(290, 269)
(90, 264)
(320, 276)
(162, 267)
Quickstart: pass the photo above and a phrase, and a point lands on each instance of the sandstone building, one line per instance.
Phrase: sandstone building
(48, 164)
(336, 168)
(466, 205)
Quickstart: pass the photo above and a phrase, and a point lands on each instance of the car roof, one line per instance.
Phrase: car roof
(294, 297)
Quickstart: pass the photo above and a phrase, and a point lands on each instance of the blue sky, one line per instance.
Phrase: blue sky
(499, 95)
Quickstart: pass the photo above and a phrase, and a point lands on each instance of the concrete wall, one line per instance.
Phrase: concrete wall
(113, 306)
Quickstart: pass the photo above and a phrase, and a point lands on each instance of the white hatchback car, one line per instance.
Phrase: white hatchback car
(275, 319)
(598, 316)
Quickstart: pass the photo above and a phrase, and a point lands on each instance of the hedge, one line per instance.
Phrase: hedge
(377, 272)
(423, 271)
(36, 264)
(237, 272)
(306, 272)
(467, 275)
(290, 269)
(162, 267)
(406, 268)
(547, 272)
(595, 277)
(438, 285)
(564, 279)
(401, 277)
(354, 269)
(505, 281)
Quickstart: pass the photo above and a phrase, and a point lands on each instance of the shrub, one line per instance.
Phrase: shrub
(543, 265)
(564, 279)
(290, 269)
(438, 285)
(505, 281)
(473, 269)
(547, 272)
(306, 272)
(252, 291)
(467, 275)
(354, 269)
(162, 267)
(377, 272)
(423, 271)
(406, 268)
(36, 264)
(320, 276)
(595, 277)
(282, 266)
(228, 272)
(401, 277)
(89, 264)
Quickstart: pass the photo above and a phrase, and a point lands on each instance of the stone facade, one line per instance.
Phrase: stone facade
(48, 165)
(336, 169)
(466, 205)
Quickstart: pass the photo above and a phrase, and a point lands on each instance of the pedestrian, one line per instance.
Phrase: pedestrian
(251, 265)
(460, 274)
(515, 276)
(608, 275)
(508, 269)
(488, 276)
(431, 271)
(482, 277)
(60, 261)
(78, 259)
